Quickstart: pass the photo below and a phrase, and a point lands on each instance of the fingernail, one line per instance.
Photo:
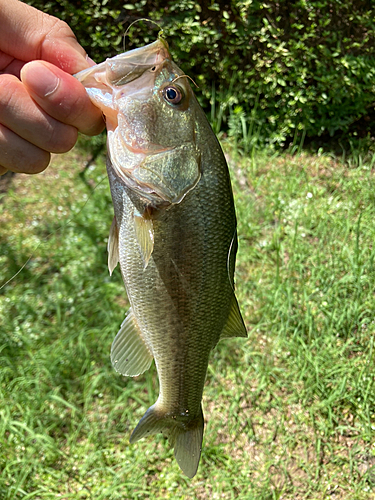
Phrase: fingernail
(39, 79)
(90, 61)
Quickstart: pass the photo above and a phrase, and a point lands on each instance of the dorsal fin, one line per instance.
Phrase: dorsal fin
(235, 326)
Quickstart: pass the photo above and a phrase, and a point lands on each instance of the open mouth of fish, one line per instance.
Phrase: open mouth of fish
(125, 88)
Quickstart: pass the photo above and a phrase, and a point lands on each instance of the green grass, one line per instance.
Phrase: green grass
(290, 412)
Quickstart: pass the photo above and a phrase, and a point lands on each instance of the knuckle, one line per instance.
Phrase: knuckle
(55, 28)
(9, 85)
(38, 163)
(95, 129)
(62, 139)
(59, 27)
(18, 155)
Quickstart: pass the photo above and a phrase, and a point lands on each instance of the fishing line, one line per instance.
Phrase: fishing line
(160, 34)
(184, 76)
(45, 239)
(21, 268)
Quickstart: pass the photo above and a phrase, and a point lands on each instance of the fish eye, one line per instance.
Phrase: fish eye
(173, 94)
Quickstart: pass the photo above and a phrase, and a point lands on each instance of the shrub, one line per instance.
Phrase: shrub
(284, 67)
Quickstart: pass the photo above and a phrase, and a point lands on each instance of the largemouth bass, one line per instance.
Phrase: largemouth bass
(173, 233)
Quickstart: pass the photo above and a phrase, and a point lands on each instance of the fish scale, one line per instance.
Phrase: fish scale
(174, 236)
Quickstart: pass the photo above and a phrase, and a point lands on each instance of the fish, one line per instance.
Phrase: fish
(174, 235)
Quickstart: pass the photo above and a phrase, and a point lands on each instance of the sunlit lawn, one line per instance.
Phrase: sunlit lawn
(289, 412)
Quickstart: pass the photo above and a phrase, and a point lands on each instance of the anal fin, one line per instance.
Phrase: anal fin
(129, 353)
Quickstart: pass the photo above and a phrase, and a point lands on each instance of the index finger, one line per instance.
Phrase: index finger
(28, 34)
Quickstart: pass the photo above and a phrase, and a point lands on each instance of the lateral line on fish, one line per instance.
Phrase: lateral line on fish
(45, 239)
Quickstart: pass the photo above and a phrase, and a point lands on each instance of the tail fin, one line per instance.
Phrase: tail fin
(185, 437)
(188, 445)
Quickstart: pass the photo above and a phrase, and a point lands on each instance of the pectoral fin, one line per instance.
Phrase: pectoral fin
(112, 247)
(235, 326)
(144, 232)
(129, 353)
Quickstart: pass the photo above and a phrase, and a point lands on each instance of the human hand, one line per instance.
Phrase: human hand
(42, 106)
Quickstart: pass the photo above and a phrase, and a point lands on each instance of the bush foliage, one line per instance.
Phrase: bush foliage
(285, 67)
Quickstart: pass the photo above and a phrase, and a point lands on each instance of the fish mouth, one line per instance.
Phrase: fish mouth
(136, 69)
(126, 67)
